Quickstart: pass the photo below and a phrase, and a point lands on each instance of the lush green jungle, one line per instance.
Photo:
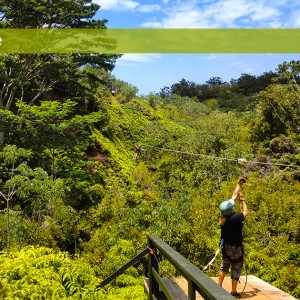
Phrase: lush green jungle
(74, 203)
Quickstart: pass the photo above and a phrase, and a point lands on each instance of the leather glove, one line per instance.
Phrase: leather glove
(242, 180)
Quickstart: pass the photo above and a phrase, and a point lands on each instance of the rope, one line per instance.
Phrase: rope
(213, 259)
(152, 252)
(246, 279)
(239, 160)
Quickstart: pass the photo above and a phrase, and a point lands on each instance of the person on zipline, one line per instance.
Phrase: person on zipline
(137, 151)
(232, 238)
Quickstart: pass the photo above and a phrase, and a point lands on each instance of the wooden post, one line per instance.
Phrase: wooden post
(191, 290)
(153, 264)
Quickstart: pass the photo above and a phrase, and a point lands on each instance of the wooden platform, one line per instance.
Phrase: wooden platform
(255, 289)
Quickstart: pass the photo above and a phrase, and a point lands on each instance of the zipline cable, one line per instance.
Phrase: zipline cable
(239, 160)
(189, 153)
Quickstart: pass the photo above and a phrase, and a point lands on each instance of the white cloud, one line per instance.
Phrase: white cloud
(297, 22)
(244, 66)
(187, 19)
(117, 4)
(224, 14)
(211, 57)
(182, 15)
(152, 24)
(227, 11)
(148, 8)
(211, 13)
(138, 58)
(263, 13)
(127, 5)
(294, 21)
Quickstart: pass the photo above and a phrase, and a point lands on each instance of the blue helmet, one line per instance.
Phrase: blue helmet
(226, 207)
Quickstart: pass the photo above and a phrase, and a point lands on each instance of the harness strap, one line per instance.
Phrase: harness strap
(210, 263)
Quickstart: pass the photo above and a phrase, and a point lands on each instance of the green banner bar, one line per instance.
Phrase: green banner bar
(150, 41)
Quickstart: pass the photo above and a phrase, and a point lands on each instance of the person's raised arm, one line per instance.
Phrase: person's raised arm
(238, 187)
(245, 207)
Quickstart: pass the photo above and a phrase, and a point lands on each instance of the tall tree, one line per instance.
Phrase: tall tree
(38, 14)
(279, 105)
(214, 81)
(185, 88)
(28, 77)
(51, 130)
(246, 84)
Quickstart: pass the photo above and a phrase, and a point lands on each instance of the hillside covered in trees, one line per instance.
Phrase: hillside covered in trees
(69, 183)
(75, 205)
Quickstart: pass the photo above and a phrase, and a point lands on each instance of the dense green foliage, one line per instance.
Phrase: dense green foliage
(69, 183)
(42, 273)
(239, 94)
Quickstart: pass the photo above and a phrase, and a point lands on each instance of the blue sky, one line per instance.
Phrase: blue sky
(151, 72)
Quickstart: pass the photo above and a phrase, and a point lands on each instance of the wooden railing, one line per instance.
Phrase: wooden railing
(197, 280)
(157, 289)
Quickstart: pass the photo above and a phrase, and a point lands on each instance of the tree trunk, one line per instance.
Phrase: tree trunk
(2, 119)
(1, 138)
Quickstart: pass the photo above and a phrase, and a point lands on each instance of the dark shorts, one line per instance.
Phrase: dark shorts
(232, 257)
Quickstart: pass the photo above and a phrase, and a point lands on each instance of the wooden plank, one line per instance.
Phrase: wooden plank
(255, 288)
(174, 289)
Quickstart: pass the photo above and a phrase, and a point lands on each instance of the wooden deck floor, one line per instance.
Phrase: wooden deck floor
(256, 289)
